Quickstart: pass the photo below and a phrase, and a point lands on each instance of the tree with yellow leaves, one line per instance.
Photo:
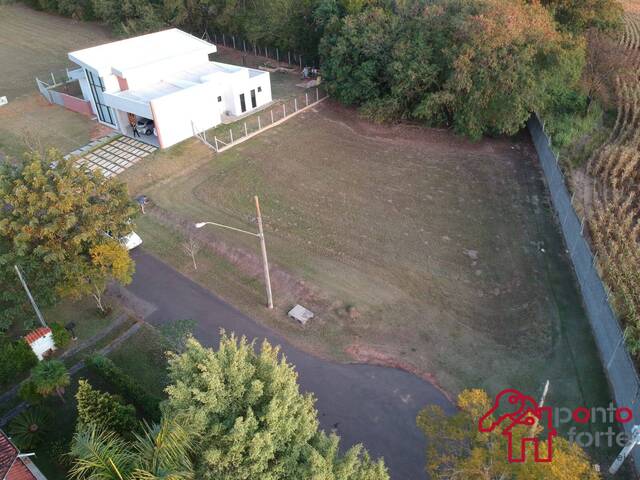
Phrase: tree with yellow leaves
(457, 449)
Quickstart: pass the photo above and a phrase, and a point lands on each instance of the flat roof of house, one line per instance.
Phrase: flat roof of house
(140, 51)
(185, 78)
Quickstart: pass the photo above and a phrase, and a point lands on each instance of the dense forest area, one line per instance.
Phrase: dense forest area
(479, 66)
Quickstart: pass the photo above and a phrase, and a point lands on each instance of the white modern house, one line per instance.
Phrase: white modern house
(166, 78)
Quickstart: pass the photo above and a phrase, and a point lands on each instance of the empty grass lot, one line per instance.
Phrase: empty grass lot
(444, 251)
(33, 44)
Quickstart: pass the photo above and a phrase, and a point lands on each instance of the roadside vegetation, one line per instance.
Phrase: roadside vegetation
(53, 226)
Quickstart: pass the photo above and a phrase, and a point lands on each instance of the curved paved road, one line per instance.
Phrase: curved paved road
(376, 406)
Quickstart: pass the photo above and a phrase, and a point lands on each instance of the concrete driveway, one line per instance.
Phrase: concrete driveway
(376, 406)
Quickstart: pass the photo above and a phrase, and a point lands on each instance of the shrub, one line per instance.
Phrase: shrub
(104, 410)
(61, 336)
(125, 385)
(15, 358)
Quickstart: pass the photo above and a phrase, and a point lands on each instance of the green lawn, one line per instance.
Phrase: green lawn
(446, 250)
(143, 357)
(34, 43)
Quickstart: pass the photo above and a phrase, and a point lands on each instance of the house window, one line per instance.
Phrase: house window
(219, 99)
(259, 89)
(97, 87)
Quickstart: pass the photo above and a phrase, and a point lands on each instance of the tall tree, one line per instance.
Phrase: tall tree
(457, 449)
(52, 215)
(355, 53)
(107, 261)
(252, 419)
(50, 377)
(506, 58)
(580, 15)
(103, 410)
(162, 451)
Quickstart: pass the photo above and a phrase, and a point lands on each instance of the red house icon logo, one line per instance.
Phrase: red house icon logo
(522, 411)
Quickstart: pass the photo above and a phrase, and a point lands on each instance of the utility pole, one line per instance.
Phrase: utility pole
(622, 456)
(263, 247)
(33, 302)
(541, 404)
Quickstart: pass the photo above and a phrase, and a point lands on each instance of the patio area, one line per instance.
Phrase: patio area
(116, 156)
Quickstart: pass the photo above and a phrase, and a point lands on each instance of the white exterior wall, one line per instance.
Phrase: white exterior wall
(42, 345)
(174, 113)
(142, 109)
(250, 83)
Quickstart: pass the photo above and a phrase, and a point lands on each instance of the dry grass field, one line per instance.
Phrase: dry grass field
(34, 43)
(414, 248)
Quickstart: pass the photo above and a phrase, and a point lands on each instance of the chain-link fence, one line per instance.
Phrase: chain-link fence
(281, 56)
(618, 365)
(223, 137)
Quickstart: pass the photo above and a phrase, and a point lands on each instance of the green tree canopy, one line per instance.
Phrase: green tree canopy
(53, 219)
(252, 419)
(103, 410)
(481, 66)
(49, 377)
(580, 15)
(457, 449)
(162, 451)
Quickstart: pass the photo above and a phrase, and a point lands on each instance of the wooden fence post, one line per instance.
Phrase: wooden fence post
(271, 115)
(306, 98)
(231, 135)
(245, 129)
(295, 104)
(259, 126)
(317, 95)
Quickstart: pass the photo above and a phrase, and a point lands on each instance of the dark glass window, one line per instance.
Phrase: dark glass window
(219, 99)
(97, 87)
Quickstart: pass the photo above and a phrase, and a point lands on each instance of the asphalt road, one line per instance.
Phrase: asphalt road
(375, 406)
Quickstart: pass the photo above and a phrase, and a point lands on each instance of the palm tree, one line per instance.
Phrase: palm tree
(50, 376)
(161, 452)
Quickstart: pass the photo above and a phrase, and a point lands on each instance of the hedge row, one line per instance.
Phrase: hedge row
(126, 386)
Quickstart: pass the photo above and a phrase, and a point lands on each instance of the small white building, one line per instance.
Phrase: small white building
(41, 341)
(165, 78)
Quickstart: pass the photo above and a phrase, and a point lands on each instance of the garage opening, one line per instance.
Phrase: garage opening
(142, 129)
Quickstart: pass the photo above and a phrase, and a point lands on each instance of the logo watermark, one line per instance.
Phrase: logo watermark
(512, 409)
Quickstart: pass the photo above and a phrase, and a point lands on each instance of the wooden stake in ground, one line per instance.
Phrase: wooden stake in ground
(263, 247)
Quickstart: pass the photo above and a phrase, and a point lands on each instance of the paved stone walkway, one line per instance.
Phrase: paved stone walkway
(112, 156)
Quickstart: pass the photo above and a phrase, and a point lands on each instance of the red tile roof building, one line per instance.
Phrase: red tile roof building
(12, 465)
(36, 334)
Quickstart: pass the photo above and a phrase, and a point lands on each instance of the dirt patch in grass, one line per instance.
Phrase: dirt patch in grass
(446, 248)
